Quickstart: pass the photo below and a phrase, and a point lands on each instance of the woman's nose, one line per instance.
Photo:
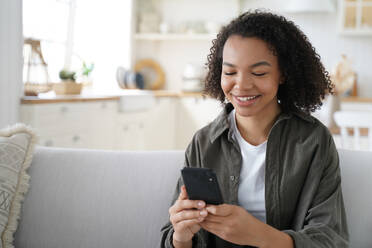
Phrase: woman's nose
(244, 82)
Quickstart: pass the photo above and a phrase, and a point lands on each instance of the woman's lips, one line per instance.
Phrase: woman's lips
(246, 100)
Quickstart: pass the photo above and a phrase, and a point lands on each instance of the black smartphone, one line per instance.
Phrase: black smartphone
(202, 184)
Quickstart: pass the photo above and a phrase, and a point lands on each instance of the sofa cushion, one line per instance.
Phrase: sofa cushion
(97, 198)
(16, 151)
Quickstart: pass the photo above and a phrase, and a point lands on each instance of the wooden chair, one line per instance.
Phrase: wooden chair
(354, 120)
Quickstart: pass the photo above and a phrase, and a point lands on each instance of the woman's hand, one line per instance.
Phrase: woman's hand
(236, 225)
(186, 216)
(231, 223)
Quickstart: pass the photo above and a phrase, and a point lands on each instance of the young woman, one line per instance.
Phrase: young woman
(277, 166)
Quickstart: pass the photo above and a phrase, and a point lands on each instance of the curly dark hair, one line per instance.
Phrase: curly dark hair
(306, 82)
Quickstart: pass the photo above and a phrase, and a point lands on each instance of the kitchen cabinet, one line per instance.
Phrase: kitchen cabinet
(129, 131)
(355, 17)
(167, 124)
(150, 129)
(161, 128)
(78, 125)
(193, 114)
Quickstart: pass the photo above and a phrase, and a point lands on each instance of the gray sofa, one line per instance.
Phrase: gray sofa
(96, 198)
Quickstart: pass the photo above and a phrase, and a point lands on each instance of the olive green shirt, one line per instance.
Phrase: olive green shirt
(303, 194)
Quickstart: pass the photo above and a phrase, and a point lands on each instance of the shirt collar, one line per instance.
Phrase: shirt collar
(221, 123)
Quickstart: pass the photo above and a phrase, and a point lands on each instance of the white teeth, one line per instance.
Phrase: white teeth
(247, 98)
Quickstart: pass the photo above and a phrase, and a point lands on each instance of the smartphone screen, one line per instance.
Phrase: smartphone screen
(202, 184)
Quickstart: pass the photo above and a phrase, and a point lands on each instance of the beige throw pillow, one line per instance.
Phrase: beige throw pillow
(16, 150)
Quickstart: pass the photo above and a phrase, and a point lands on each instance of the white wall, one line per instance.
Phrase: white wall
(11, 42)
(322, 31)
(173, 55)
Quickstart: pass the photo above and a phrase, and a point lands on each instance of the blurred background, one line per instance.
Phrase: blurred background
(128, 75)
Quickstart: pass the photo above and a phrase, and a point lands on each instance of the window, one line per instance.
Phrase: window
(77, 31)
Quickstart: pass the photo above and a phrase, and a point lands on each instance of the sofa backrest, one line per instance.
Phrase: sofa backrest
(95, 198)
(356, 182)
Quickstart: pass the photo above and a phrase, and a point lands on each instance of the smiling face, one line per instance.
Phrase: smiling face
(250, 76)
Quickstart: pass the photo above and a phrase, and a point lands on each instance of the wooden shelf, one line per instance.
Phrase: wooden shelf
(170, 37)
(113, 97)
(356, 99)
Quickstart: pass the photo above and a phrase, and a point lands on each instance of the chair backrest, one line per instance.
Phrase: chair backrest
(355, 120)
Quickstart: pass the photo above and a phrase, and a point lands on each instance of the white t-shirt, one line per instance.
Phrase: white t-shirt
(251, 192)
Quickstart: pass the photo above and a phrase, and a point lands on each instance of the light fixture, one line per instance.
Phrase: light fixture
(309, 6)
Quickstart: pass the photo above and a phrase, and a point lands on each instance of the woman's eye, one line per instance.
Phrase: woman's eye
(259, 74)
(229, 73)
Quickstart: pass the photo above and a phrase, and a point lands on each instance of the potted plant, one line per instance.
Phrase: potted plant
(86, 71)
(68, 85)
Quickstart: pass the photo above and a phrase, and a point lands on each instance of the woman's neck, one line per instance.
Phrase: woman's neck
(255, 129)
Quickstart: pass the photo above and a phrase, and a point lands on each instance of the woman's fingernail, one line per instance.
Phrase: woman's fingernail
(200, 219)
(200, 204)
(203, 213)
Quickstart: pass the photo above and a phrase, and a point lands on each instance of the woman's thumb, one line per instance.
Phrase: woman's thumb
(183, 193)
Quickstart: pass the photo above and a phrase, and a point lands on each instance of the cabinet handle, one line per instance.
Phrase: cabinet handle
(76, 138)
(103, 105)
(125, 127)
(141, 125)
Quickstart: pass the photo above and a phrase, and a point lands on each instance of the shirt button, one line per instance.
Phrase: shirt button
(232, 178)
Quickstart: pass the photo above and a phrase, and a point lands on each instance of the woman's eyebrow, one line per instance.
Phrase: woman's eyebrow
(228, 64)
(251, 66)
(260, 63)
